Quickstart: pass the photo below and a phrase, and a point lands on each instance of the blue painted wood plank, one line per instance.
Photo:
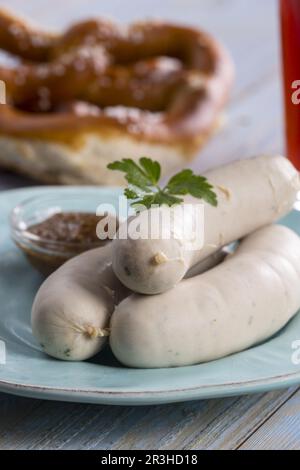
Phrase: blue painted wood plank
(281, 431)
(216, 424)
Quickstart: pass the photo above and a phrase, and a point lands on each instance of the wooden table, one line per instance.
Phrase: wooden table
(253, 125)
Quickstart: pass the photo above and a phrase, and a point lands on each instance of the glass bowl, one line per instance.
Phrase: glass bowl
(44, 253)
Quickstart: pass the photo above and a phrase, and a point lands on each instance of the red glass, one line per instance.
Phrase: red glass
(290, 27)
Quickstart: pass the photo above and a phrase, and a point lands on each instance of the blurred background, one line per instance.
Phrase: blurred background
(250, 30)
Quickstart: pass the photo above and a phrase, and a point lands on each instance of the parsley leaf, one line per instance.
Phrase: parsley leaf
(186, 182)
(134, 174)
(152, 169)
(143, 188)
(130, 193)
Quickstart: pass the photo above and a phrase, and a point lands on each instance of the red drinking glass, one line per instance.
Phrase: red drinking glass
(290, 28)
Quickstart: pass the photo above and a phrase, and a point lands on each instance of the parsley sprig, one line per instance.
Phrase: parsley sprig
(143, 189)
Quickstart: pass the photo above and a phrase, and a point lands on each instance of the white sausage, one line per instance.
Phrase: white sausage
(72, 308)
(244, 300)
(251, 193)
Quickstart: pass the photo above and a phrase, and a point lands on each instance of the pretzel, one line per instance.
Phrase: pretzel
(152, 86)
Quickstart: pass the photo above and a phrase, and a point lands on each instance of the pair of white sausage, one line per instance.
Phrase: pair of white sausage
(72, 310)
(244, 300)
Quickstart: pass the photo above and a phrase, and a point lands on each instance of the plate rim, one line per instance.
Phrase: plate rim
(100, 396)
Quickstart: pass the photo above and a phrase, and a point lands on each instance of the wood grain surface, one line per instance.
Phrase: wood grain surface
(252, 124)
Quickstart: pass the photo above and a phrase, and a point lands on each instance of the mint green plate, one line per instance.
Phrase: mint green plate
(29, 372)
